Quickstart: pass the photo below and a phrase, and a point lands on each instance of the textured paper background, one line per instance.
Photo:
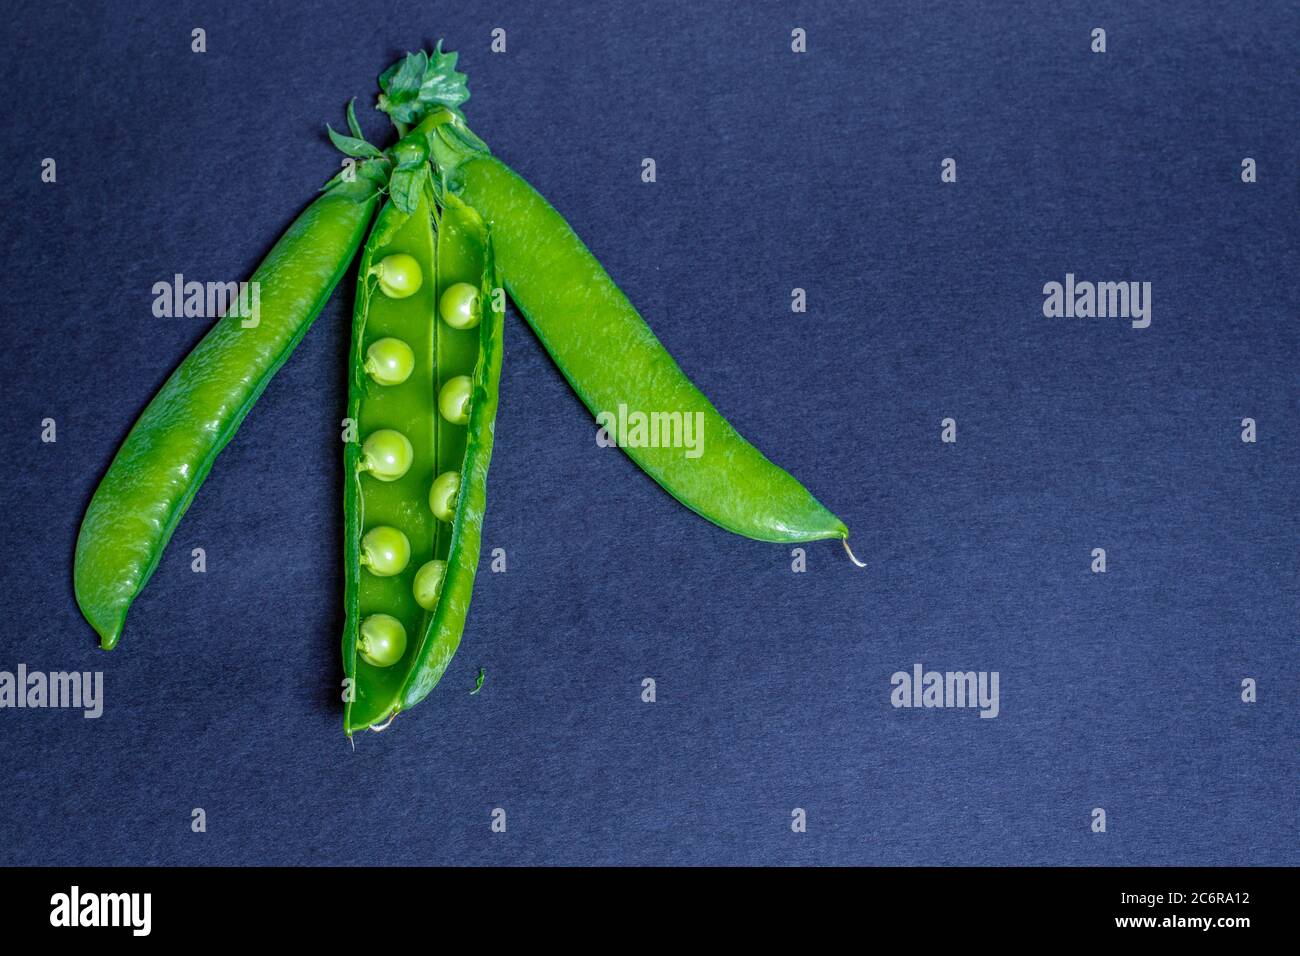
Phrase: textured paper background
(819, 171)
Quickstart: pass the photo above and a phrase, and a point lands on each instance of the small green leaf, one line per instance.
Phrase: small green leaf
(409, 152)
(353, 125)
(442, 85)
(450, 146)
(353, 146)
(404, 77)
(405, 186)
(435, 186)
(464, 137)
(420, 83)
(374, 171)
(478, 684)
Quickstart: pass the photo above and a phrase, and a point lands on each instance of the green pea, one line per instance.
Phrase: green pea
(453, 400)
(383, 640)
(387, 454)
(389, 361)
(459, 306)
(443, 494)
(399, 275)
(428, 584)
(385, 551)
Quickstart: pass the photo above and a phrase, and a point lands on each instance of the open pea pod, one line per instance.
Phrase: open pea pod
(422, 392)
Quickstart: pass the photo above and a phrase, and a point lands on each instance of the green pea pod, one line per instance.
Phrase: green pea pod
(603, 347)
(169, 451)
(613, 361)
(422, 392)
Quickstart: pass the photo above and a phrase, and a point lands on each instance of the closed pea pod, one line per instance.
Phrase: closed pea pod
(608, 353)
(171, 448)
(573, 305)
(437, 501)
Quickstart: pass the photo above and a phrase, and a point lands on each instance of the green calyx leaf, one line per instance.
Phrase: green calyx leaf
(374, 165)
(406, 185)
(410, 152)
(420, 83)
(353, 125)
(373, 171)
(451, 144)
(353, 146)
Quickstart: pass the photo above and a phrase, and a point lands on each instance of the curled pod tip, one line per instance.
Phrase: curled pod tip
(849, 551)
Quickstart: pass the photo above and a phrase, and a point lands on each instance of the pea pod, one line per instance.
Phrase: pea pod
(170, 450)
(612, 359)
(422, 391)
(603, 347)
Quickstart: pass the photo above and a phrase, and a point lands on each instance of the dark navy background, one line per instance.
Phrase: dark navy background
(821, 171)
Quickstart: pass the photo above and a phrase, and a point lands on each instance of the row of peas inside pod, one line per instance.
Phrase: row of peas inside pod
(387, 454)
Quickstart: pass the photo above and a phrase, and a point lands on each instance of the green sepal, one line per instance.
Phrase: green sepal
(419, 83)
(450, 145)
(406, 185)
(436, 190)
(353, 125)
(464, 139)
(373, 171)
(353, 146)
